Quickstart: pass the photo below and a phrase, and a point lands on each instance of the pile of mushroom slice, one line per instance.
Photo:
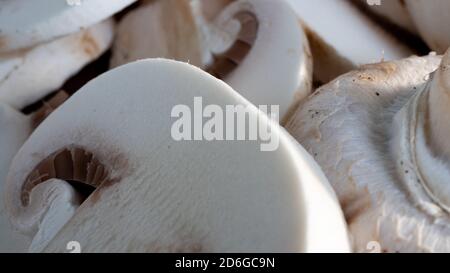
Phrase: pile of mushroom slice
(256, 46)
(380, 134)
(156, 194)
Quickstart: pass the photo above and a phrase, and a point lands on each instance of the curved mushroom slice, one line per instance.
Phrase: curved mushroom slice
(260, 50)
(15, 129)
(336, 42)
(381, 135)
(156, 194)
(165, 29)
(432, 21)
(394, 11)
(24, 23)
(256, 46)
(29, 76)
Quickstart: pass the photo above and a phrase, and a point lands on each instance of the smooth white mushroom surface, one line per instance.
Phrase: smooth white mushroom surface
(256, 46)
(28, 76)
(394, 11)
(380, 134)
(25, 23)
(343, 38)
(432, 20)
(156, 194)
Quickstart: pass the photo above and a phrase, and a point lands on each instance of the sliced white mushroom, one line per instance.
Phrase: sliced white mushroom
(156, 194)
(260, 50)
(24, 23)
(381, 136)
(343, 38)
(28, 76)
(256, 46)
(432, 21)
(394, 11)
(14, 130)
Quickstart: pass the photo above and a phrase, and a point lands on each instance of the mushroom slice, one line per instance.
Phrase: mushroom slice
(24, 23)
(156, 194)
(28, 76)
(394, 11)
(14, 130)
(432, 21)
(260, 50)
(165, 29)
(336, 42)
(380, 134)
(256, 46)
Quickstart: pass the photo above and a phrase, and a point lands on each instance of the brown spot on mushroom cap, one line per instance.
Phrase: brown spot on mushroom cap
(89, 45)
(73, 164)
(226, 62)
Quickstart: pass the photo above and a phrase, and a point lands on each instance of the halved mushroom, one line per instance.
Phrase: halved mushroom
(346, 39)
(381, 136)
(256, 46)
(155, 194)
(28, 76)
(15, 129)
(432, 21)
(24, 23)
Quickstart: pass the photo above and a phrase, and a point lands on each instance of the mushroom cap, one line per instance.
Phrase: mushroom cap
(351, 126)
(28, 76)
(335, 42)
(263, 53)
(164, 29)
(432, 21)
(24, 23)
(155, 194)
(15, 128)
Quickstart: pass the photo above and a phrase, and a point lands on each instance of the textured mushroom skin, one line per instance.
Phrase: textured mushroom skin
(347, 127)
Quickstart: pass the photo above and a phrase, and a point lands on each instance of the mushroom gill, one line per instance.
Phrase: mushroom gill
(226, 62)
(73, 164)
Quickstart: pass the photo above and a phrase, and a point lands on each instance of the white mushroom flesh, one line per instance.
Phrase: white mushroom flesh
(24, 23)
(155, 194)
